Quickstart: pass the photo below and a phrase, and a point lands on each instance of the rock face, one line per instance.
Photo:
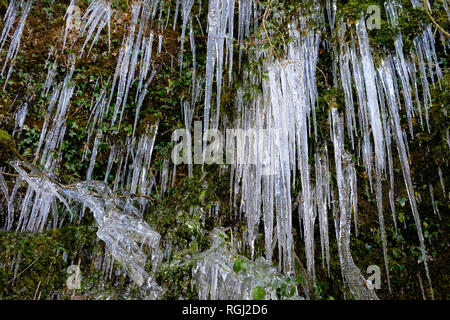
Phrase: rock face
(332, 118)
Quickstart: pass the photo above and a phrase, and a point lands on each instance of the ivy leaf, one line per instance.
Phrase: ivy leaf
(223, 236)
(259, 293)
(240, 265)
(237, 265)
(292, 292)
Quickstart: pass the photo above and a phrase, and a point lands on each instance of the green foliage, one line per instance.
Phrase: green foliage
(259, 293)
(412, 22)
(40, 267)
(181, 217)
(240, 265)
(6, 143)
(287, 288)
(30, 140)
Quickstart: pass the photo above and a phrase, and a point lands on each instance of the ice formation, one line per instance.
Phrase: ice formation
(216, 280)
(267, 167)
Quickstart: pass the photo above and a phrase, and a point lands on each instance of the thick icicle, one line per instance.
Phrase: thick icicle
(346, 181)
(220, 26)
(322, 191)
(186, 6)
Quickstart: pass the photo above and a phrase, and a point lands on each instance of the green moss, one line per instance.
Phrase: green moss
(3, 5)
(43, 261)
(353, 10)
(39, 268)
(6, 139)
(412, 21)
(7, 144)
(182, 216)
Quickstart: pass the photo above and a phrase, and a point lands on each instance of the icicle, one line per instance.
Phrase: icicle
(322, 193)
(125, 69)
(331, 11)
(20, 119)
(194, 63)
(387, 80)
(145, 61)
(93, 155)
(9, 19)
(175, 16)
(391, 173)
(160, 43)
(435, 208)
(188, 114)
(164, 176)
(10, 219)
(16, 37)
(245, 12)
(363, 112)
(219, 21)
(372, 98)
(141, 160)
(379, 199)
(186, 6)
(50, 78)
(447, 137)
(424, 80)
(441, 179)
(71, 16)
(141, 98)
(111, 159)
(4, 186)
(54, 137)
(347, 86)
(97, 15)
(346, 181)
(400, 64)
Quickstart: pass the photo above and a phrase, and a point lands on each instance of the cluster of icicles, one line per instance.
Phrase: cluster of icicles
(216, 279)
(287, 105)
